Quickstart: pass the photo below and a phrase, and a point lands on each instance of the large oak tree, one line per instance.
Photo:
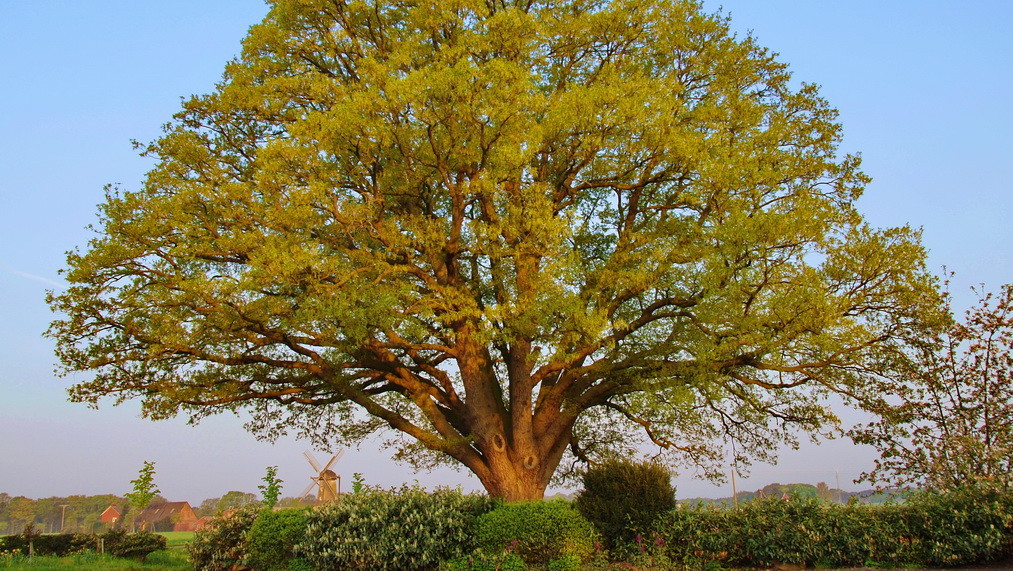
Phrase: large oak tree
(508, 231)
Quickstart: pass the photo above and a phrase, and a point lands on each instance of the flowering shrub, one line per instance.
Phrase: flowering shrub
(222, 542)
(403, 529)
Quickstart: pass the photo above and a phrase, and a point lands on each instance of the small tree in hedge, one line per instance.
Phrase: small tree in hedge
(271, 489)
(623, 498)
(144, 489)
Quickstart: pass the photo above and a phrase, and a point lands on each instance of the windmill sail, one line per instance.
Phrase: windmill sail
(327, 482)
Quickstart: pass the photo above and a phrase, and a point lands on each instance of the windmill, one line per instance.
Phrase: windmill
(327, 482)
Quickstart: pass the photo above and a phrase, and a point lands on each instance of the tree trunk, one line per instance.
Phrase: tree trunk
(515, 482)
(519, 470)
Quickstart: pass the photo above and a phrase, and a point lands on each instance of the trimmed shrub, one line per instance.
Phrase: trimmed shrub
(623, 499)
(960, 527)
(222, 542)
(539, 532)
(408, 528)
(60, 545)
(801, 531)
(137, 545)
(766, 532)
(273, 536)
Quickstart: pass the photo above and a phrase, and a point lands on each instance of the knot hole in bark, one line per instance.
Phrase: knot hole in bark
(530, 462)
(498, 443)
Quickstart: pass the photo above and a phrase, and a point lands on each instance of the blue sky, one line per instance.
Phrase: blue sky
(924, 91)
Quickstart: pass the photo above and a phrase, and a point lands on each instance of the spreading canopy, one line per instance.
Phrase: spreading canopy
(506, 230)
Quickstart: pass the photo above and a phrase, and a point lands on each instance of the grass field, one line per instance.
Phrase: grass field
(168, 560)
(177, 539)
(172, 559)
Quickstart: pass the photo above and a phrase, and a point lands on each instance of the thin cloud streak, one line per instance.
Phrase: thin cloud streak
(33, 277)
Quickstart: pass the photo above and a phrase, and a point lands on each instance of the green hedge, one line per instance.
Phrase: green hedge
(118, 543)
(972, 525)
(59, 545)
(963, 527)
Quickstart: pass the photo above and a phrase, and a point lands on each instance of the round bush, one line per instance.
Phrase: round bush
(623, 499)
(539, 532)
(273, 536)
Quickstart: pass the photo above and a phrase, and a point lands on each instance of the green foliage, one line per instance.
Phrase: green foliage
(479, 560)
(358, 482)
(271, 489)
(222, 542)
(402, 529)
(623, 498)
(137, 545)
(623, 211)
(234, 499)
(273, 536)
(566, 562)
(144, 487)
(539, 532)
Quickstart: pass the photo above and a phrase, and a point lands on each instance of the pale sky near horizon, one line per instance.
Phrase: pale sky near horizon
(924, 89)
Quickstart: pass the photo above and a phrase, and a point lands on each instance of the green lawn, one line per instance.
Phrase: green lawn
(175, 560)
(177, 539)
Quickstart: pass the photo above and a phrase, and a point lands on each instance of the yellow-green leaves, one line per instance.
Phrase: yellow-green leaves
(478, 221)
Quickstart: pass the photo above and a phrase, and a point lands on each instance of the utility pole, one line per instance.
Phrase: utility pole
(63, 515)
(735, 493)
(837, 477)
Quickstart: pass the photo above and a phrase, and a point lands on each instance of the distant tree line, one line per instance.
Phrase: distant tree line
(821, 491)
(48, 514)
(82, 513)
